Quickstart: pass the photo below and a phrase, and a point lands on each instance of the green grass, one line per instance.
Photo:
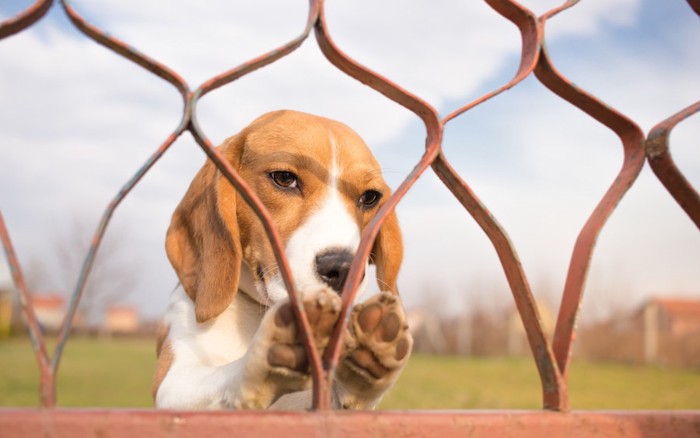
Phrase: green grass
(111, 373)
(118, 373)
(512, 383)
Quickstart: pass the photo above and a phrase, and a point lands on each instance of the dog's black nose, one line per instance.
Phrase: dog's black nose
(333, 267)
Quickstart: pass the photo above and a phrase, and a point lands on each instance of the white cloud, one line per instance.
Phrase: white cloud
(589, 18)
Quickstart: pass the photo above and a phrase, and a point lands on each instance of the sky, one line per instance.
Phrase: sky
(76, 121)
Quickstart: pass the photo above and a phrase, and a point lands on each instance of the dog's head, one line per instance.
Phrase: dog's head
(321, 185)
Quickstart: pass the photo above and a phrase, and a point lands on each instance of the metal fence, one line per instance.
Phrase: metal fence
(551, 356)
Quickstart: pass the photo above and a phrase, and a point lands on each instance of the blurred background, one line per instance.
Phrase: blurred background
(76, 122)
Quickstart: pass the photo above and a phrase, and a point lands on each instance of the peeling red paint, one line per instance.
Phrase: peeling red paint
(504, 424)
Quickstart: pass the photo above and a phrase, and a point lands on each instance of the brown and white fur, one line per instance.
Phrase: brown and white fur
(229, 338)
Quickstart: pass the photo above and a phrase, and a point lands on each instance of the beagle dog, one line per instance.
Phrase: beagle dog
(229, 338)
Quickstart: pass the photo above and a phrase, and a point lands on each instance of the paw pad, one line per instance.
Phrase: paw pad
(366, 360)
(389, 329)
(401, 349)
(379, 338)
(288, 356)
(284, 316)
(370, 317)
(287, 350)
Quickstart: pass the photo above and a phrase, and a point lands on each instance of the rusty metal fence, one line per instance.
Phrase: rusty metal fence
(551, 356)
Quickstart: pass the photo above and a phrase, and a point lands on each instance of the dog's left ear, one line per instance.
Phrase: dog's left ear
(387, 253)
(203, 241)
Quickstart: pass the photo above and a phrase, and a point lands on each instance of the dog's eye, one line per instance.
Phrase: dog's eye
(370, 198)
(286, 180)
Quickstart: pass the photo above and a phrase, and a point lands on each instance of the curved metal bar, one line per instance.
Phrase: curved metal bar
(355, 70)
(632, 141)
(552, 12)
(25, 19)
(47, 386)
(320, 382)
(160, 70)
(125, 50)
(263, 60)
(47, 382)
(245, 191)
(554, 388)
(189, 122)
(89, 260)
(530, 33)
(430, 118)
(659, 157)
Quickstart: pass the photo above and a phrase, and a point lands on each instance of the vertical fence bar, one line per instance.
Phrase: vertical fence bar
(47, 383)
(163, 72)
(632, 141)
(430, 118)
(554, 387)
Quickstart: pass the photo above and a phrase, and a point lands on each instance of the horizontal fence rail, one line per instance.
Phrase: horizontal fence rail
(502, 424)
(551, 356)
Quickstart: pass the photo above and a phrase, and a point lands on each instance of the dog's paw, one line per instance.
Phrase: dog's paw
(276, 363)
(377, 343)
(286, 353)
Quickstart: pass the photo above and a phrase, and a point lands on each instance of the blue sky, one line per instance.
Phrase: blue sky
(539, 164)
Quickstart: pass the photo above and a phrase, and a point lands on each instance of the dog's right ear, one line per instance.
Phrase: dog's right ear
(203, 240)
(387, 253)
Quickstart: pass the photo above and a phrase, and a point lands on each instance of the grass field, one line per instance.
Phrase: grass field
(117, 373)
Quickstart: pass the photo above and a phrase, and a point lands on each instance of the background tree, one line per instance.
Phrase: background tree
(115, 273)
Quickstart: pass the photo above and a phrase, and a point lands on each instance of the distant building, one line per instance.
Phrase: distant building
(665, 322)
(121, 320)
(662, 331)
(50, 310)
